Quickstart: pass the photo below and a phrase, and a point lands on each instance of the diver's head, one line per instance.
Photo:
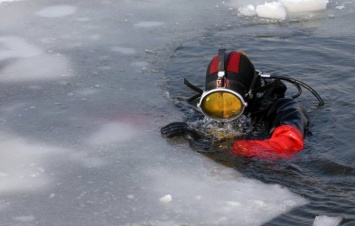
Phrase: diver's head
(230, 79)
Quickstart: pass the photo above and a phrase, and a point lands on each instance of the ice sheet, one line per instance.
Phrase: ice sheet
(57, 11)
(81, 108)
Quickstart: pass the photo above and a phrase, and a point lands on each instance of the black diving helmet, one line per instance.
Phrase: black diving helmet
(230, 79)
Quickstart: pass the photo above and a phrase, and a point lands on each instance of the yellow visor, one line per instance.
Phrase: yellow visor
(222, 104)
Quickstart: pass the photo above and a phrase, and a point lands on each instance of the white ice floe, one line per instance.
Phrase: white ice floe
(57, 11)
(273, 10)
(327, 221)
(235, 198)
(280, 9)
(304, 5)
(248, 10)
(166, 199)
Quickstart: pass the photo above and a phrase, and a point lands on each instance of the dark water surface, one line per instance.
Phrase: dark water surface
(319, 52)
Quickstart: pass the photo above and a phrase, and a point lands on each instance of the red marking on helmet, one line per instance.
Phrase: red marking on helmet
(214, 65)
(233, 62)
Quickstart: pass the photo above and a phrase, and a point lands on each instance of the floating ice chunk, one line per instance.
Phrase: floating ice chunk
(304, 5)
(166, 199)
(279, 9)
(327, 221)
(273, 10)
(148, 24)
(247, 10)
(57, 11)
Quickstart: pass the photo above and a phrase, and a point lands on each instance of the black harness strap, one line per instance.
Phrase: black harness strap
(221, 60)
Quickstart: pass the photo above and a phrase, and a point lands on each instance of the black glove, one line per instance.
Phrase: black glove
(179, 129)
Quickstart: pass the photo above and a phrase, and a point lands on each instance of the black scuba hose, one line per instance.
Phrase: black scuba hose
(193, 87)
(298, 83)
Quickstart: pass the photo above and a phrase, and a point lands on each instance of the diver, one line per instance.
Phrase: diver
(234, 88)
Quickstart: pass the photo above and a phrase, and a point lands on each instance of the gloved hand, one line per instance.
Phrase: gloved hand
(286, 140)
(179, 129)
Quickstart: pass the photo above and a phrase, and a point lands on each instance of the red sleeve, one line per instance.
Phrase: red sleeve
(286, 140)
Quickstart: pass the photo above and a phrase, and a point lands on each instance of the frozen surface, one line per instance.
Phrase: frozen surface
(29, 60)
(22, 165)
(234, 198)
(57, 11)
(9, 0)
(81, 107)
(78, 111)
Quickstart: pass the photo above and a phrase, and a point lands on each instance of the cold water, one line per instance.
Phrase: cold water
(318, 51)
